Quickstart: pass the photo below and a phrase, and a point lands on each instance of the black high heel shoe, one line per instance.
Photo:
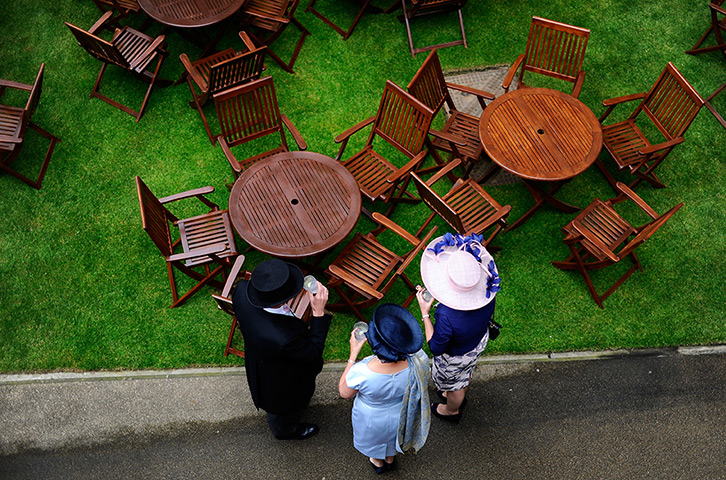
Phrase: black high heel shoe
(378, 470)
(448, 418)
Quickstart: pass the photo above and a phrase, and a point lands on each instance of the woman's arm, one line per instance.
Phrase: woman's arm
(355, 346)
(425, 309)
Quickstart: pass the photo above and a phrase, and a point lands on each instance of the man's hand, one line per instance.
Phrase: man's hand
(319, 300)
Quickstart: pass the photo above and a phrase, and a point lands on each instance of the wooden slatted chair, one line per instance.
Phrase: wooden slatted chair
(129, 49)
(717, 28)
(14, 123)
(431, 88)
(300, 304)
(365, 6)
(403, 122)
(365, 270)
(554, 49)
(268, 19)
(204, 240)
(467, 207)
(249, 112)
(419, 8)
(220, 71)
(121, 8)
(598, 237)
(670, 105)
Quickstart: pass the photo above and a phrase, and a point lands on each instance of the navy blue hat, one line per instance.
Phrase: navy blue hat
(274, 282)
(394, 333)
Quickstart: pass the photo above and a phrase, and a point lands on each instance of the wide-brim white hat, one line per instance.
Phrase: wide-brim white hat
(455, 277)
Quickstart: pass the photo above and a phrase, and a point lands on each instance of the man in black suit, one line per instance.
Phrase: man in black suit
(282, 355)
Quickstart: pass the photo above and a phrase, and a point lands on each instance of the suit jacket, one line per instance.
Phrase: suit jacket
(282, 355)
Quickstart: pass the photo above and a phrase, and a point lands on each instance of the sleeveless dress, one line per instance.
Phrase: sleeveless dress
(376, 409)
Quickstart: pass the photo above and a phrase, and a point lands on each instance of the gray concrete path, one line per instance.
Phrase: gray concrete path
(625, 414)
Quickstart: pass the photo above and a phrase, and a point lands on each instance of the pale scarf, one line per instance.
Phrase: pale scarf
(415, 421)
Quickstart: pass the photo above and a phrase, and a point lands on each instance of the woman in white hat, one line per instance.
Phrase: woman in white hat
(459, 273)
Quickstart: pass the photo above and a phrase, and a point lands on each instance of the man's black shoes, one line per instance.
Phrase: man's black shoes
(302, 432)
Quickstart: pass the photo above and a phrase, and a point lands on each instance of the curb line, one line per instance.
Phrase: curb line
(62, 377)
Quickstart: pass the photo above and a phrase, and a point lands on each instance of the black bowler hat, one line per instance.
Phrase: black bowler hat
(274, 282)
(394, 333)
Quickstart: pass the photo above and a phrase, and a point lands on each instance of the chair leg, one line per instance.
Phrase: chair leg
(151, 85)
(196, 103)
(202, 280)
(37, 183)
(229, 349)
(606, 174)
(287, 66)
(408, 28)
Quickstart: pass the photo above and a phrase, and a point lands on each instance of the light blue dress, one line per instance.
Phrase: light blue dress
(376, 409)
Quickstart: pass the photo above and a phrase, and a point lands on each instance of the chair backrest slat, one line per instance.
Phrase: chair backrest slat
(249, 111)
(437, 204)
(555, 49)
(672, 103)
(429, 84)
(98, 47)
(402, 120)
(237, 70)
(154, 218)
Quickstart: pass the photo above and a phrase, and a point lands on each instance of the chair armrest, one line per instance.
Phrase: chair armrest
(510, 74)
(15, 85)
(270, 18)
(197, 192)
(150, 50)
(193, 72)
(233, 274)
(578, 84)
(412, 255)
(99, 23)
(472, 91)
(233, 162)
(7, 139)
(408, 168)
(247, 40)
(302, 145)
(717, 8)
(345, 135)
(611, 103)
(443, 171)
(354, 283)
(199, 252)
(661, 146)
(636, 199)
(448, 137)
(394, 227)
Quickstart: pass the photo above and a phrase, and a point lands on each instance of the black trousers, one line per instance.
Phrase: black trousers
(284, 425)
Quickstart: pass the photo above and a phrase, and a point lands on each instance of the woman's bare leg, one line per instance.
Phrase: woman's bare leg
(454, 400)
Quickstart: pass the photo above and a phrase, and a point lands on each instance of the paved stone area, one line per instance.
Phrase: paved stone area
(490, 80)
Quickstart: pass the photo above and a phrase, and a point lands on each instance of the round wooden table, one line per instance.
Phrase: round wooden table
(295, 204)
(541, 135)
(190, 13)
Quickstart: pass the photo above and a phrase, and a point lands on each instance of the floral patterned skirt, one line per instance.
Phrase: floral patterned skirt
(451, 373)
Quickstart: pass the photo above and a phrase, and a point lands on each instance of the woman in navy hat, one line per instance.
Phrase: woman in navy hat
(390, 412)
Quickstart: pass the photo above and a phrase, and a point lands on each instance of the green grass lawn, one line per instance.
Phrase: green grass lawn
(82, 287)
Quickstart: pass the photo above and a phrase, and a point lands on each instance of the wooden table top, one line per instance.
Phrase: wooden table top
(190, 13)
(540, 134)
(295, 204)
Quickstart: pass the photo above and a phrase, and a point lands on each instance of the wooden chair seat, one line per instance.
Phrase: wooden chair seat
(477, 209)
(202, 231)
(14, 123)
(365, 270)
(372, 172)
(599, 237)
(464, 126)
(670, 107)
